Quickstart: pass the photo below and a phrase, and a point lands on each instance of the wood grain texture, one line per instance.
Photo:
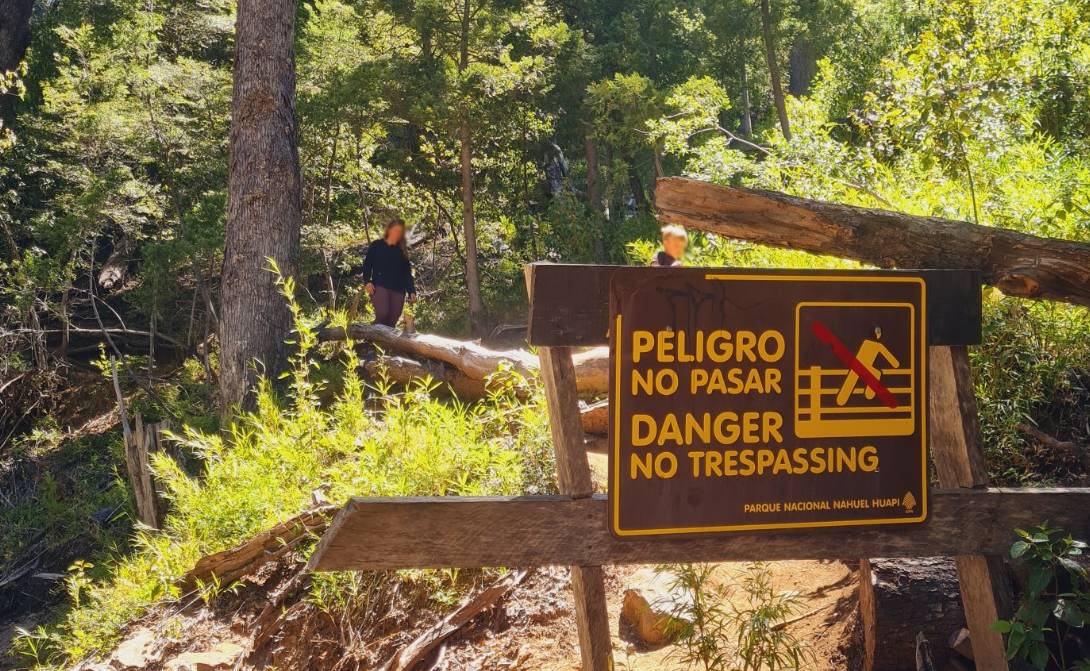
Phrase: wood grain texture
(959, 462)
(470, 360)
(264, 200)
(574, 479)
(571, 308)
(954, 426)
(1020, 265)
(381, 534)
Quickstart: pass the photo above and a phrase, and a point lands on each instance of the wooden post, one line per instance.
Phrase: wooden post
(139, 444)
(574, 479)
(959, 462)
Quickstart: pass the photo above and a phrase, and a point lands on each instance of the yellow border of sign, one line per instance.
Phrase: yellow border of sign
(615, 484)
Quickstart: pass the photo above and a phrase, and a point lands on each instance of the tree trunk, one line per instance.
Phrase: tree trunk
(774, 67)
(900, 598)
(14, 32)
(802, 67)
(1018, 264)
(747, 109)
(636, 185)
(264, 199)
(594, 194)
(14, 38)
(469, 224)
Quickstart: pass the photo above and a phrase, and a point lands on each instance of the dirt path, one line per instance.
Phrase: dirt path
(538, 632)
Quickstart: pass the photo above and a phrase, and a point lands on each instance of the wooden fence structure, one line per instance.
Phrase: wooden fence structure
(968, 520)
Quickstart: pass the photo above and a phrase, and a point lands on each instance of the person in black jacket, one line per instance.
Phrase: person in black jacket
(388, 274)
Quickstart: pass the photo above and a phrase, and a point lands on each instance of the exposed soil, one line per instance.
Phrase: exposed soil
(537, 632)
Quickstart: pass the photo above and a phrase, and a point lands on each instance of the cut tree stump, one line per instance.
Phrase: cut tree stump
(901, 598)
(143, 441)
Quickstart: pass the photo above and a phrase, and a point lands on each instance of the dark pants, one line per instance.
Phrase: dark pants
(388, 305)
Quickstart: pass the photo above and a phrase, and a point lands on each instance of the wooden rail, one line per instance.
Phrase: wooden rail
(1019, 264)
(381, 534)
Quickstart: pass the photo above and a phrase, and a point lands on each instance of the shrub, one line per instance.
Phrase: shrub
(365, 442)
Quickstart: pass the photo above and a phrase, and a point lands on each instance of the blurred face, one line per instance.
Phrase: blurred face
(394, 235)
(675, 246)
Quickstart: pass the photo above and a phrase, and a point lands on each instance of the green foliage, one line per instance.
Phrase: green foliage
(702, 618)
(718, 632)
(1030, 360)
(364, 442)
(1046, 631)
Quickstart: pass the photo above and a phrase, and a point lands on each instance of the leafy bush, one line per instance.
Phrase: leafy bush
(1047, 629)
(365, 442)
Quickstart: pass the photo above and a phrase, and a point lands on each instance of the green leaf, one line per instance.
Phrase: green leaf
(1019, 549)
(1038, 656)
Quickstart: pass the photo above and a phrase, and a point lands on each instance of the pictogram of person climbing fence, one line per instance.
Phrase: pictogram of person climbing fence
(853, 384)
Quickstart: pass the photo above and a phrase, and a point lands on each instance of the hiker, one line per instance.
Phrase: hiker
(674, 242)
(388, 274)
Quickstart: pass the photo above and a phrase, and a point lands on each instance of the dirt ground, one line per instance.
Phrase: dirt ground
(538, 633)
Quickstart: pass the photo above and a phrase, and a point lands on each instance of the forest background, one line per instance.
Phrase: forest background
(502, 131)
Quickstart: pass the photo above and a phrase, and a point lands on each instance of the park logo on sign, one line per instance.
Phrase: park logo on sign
(765, 400)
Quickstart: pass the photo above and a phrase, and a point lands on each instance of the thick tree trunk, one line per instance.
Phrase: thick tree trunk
(14, 38)
(801, 67)
(774, 67)
(469, 224)
(1018, 264)
(14, 32)
(900, 598)
(263, 208)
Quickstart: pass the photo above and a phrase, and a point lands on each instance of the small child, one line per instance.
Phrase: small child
(674, 242)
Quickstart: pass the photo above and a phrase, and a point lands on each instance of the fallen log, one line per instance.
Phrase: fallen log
(421, 647)
(902, 598)
(1019, 264)
(596, 417)
(404, 370)
(469, 357)
(234, 563)
(472, 361)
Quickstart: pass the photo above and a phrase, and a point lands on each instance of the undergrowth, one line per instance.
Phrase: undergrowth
(362, 441)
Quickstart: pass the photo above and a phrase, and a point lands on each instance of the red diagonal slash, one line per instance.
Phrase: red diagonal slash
(848, 359)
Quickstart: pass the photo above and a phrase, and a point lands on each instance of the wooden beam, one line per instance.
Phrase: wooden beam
(383, 534)
(571, 305)
(959, 462)
(574, 479)
(1019, 264)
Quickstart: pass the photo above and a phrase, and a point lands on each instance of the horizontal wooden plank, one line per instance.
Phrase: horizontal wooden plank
(1023, 265)
(379, 534)
(571, 303)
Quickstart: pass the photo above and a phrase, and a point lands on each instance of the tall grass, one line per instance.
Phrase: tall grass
(366, 441)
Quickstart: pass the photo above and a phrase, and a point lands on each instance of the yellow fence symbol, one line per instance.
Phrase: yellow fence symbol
(872, 390)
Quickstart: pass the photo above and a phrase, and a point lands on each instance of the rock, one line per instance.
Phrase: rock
(648, 609)
(961, 643)
(137, 651)
(222, 656)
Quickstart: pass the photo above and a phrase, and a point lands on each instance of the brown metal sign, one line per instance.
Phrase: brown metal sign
(745, 400)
